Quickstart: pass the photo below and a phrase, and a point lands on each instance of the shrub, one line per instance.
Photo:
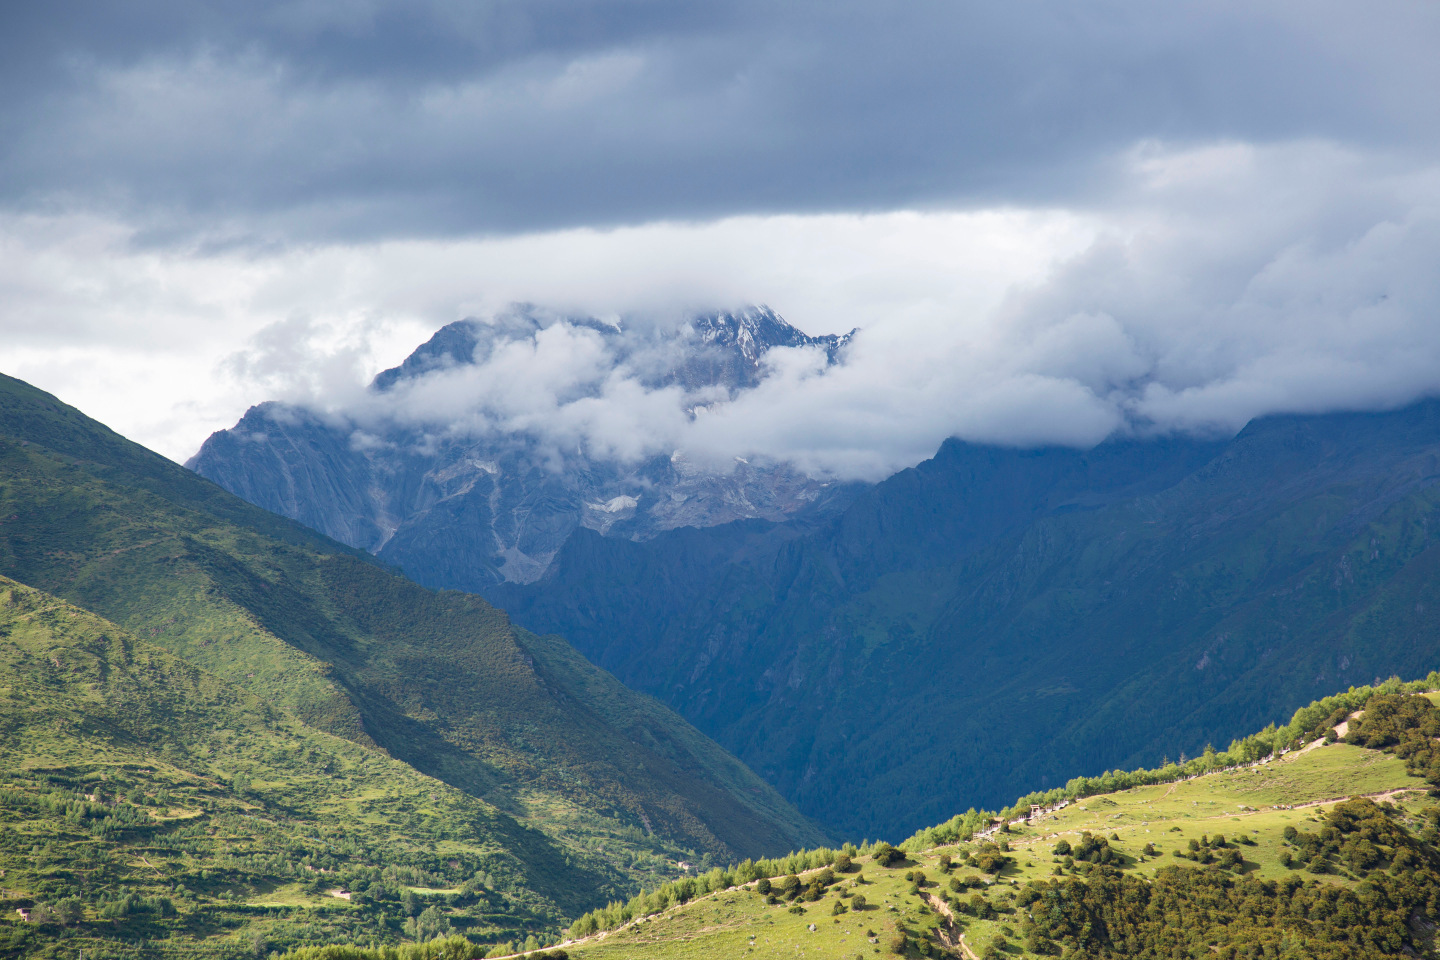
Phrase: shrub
(886, 855)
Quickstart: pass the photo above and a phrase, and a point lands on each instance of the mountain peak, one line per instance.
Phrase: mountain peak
(753, 330)
(468, 509)
(452, 344)
(742, 335)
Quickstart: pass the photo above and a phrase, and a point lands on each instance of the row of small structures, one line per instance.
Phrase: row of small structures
(1036, 812)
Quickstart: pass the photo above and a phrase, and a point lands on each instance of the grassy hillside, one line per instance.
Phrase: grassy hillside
(1326, 850)
(147, 803)
(441, 681)
(962, 909)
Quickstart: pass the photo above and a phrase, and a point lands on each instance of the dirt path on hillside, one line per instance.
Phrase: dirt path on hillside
(1377, 797)
(950, 936)
(1341, 728)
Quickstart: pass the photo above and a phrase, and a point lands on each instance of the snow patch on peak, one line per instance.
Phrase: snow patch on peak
(614, 504)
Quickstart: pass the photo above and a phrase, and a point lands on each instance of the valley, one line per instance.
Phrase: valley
(229, 736)
(713, 480)
(1320, 846)
(977, 624)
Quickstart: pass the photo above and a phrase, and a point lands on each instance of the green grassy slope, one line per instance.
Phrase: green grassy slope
(169, 805)
(989, 911)
(442, 681)
(1326, 851)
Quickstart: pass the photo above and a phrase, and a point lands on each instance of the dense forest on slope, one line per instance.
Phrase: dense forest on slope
(997, 619)
(441, 681)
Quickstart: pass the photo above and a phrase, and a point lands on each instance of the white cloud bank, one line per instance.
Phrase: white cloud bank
(1215, 284)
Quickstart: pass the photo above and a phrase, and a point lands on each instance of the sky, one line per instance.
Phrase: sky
(1051, 222)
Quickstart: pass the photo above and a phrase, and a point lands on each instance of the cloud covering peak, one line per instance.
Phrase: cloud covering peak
(1229, 287)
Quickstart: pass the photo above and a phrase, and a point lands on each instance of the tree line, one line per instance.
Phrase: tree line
(1311, 722)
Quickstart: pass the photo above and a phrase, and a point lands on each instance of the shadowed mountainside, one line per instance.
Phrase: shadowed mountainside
(996, 619)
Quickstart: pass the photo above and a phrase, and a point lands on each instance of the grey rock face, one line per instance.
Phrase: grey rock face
(466, 512)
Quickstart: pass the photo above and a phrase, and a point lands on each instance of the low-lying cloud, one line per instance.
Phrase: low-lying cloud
(1227, 283)
(1214, 284)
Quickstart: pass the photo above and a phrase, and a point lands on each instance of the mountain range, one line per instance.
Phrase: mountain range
(991, 619)
(1000, 617)
(225, 733)
(466, 508)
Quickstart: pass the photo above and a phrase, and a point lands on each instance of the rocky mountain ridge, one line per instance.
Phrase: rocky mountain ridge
(468, 510)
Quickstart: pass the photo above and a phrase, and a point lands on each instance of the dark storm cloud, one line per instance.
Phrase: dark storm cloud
(330, 120)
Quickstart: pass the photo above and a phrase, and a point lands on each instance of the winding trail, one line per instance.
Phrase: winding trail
(951, 938)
